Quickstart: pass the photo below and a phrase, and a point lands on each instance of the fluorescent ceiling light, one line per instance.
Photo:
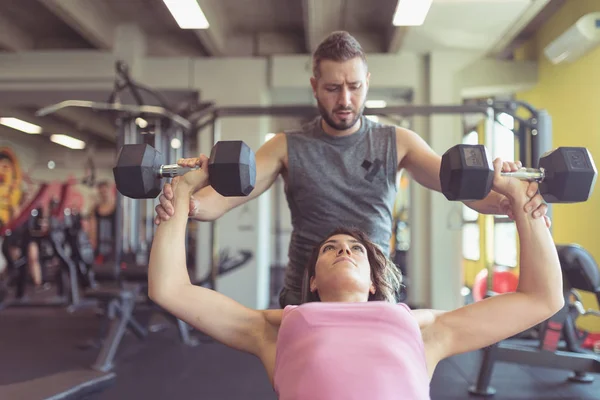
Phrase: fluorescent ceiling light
(269, 136)
(141, 122)
(68, 141)
(187, 14)
(375, 104)
(20, 125)
(411, 12)
(175, 143)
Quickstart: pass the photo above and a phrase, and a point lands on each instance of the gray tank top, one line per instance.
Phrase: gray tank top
(338, 181)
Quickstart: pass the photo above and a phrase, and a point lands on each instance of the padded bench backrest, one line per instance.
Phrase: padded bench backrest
(579, 268)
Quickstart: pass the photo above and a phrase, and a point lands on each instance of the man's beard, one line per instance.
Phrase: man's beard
(342, 125)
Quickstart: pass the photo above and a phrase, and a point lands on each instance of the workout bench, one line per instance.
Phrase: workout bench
(580, 272)
(119, 302)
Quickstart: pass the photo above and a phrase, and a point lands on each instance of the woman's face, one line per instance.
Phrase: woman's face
(342, 267)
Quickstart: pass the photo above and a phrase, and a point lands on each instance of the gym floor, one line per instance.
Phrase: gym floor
(39, 342)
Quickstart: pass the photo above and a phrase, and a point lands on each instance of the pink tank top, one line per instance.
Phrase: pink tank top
(371, 350)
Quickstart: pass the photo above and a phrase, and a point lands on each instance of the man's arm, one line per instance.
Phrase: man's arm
(423, 164)
(538, 296)
(211, 312)
(208, 205)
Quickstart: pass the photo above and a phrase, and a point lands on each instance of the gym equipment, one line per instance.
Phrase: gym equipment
(18, 240)
(504, 282)
(115, 107)
(580, 272)
(81, 250)
(566, 174)
(139, 170)
(70, 276)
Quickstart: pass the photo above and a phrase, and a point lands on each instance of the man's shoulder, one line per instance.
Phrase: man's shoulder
(304, 129)
(379, 127)
(404, 134)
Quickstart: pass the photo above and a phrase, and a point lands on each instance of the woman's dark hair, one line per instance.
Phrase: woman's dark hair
(386, 276)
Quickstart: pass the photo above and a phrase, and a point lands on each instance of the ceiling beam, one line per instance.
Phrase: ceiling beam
(89, 18)
(53, 126)
(213, 39)
(12, 37)
(320, 18)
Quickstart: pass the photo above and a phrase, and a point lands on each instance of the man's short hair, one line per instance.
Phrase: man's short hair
(339, 46)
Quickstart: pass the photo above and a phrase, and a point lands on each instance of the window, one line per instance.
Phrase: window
(505, 231)
(504, 138)
(470, 241)
(470, 229)
(505, 243)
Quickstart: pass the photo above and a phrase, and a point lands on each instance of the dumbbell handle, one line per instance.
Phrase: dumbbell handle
(527, 174)
(171, 170)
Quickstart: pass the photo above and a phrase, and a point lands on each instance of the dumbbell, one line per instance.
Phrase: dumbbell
(565, 175)
(140, 169)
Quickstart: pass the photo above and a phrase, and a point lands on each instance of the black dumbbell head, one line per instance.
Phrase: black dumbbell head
(136, 172)
(570, 175)
(232, 168)
(466, 172)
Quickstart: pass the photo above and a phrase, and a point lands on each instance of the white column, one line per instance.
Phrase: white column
(130, 47)
(245, 228)
(419, 263)
(445, 245)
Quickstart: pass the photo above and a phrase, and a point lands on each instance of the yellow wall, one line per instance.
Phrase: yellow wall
(571, 94)
(472, 267)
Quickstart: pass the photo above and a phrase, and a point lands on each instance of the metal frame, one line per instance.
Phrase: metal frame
(558, 331)
(123, 108)
(531, 356)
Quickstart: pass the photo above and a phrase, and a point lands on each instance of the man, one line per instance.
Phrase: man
(340, 164)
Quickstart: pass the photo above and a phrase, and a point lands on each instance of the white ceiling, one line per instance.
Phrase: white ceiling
(465, 25)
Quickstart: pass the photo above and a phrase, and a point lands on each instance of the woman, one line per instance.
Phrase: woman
(345, 346)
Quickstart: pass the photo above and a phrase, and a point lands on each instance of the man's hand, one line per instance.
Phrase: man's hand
(165, 208)
(536, 201)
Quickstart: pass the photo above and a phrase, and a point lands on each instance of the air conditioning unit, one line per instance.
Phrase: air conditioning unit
(580, 38)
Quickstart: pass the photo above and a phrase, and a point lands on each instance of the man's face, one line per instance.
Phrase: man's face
(341, 91)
